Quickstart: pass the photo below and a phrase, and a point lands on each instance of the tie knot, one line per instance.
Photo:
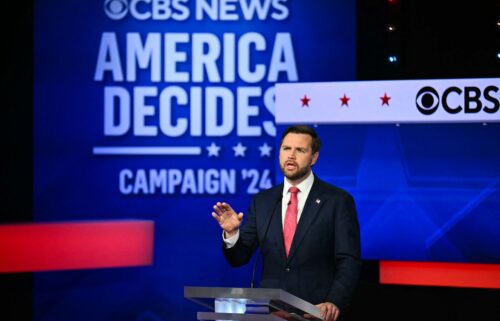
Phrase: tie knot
(293, 190)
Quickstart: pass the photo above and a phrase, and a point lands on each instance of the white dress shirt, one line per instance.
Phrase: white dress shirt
(304, 189)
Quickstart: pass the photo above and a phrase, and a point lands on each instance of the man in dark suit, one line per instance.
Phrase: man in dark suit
(307, 230)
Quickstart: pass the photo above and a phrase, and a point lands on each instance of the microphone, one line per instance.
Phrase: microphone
(264, 239)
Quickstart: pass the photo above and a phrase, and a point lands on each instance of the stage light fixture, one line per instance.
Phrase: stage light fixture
(391, 28)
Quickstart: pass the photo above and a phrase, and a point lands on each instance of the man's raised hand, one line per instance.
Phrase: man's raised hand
(227, 218)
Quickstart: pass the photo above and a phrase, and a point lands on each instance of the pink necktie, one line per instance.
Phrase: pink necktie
(290, 219)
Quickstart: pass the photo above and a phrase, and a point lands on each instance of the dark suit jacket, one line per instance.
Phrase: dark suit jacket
(324, 262)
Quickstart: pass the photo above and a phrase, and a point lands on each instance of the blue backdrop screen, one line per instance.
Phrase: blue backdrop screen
(424, 192)
(156, 110)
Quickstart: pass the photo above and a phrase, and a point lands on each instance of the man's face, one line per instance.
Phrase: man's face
(296, 157)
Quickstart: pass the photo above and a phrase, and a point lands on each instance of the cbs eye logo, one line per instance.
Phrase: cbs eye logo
(455, 100)
(427, 100)
(116, 9)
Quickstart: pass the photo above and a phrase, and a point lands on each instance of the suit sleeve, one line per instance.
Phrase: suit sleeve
(347, 253)
(244, 248)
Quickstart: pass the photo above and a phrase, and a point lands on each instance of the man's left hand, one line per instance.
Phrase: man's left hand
(329, 311)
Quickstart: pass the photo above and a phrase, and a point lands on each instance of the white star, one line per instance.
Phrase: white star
(239, 150)
(265, 150)
(213, 150)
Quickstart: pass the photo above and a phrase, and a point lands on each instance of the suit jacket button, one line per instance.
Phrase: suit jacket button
(287, 269)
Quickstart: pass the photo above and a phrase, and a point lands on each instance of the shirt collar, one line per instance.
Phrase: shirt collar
(304, 186)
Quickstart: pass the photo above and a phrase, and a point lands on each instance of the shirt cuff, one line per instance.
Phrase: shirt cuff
(231, 241)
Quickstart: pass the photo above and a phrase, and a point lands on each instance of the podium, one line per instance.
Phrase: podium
(250, 304)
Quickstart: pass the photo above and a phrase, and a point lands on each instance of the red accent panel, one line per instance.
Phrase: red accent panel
(69, 246)
(440, 274)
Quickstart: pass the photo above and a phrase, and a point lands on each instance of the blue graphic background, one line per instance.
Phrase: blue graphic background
(424, 192)
(71, 183)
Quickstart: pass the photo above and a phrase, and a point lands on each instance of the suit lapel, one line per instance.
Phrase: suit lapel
(275, 233)
(309, 213)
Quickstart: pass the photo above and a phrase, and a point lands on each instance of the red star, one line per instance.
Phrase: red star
(344, 100)
(305, 101)
(385, 99)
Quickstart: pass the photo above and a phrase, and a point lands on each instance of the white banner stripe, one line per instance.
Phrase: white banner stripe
(398, 101)
(137, 150)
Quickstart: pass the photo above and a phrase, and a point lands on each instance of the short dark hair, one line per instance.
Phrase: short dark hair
(303, 129)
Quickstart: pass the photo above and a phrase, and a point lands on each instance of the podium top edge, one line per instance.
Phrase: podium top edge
(235, 293)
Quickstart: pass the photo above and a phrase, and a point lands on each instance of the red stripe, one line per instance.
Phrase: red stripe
(440, 274)
(68, 246)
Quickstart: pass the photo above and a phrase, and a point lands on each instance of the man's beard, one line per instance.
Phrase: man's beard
(302, 172)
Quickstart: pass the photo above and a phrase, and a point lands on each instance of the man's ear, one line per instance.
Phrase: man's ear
(315, 158)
